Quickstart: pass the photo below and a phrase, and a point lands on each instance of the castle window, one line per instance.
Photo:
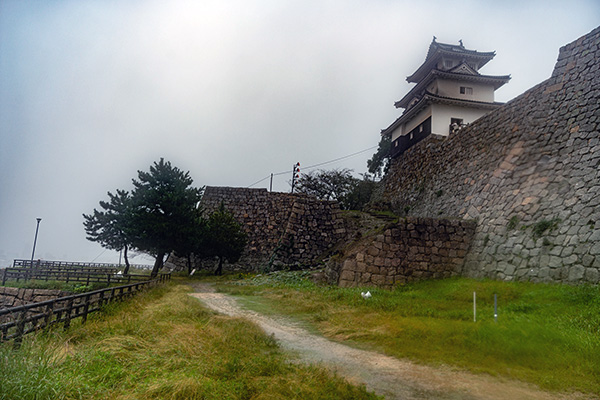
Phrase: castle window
(466, 90)
(448, 64)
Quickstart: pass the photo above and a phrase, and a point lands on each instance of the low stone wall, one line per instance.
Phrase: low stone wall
(412, 249)
(13, 297)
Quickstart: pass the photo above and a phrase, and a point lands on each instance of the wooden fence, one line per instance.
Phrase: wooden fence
(45, 263)
(15, 322)
(70, 275)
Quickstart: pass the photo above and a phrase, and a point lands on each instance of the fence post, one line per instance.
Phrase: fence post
(48, 313)
(101, 299)
(86, 307)
(68, 311)
(3, 277)
(20, 327)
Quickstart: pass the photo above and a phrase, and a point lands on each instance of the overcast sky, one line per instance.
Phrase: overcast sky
(232, 91)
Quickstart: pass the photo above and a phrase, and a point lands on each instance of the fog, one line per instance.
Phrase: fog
(231, 91)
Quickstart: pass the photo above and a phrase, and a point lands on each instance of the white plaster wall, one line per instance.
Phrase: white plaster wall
(413, 123)
(448, 88)
(442, 114)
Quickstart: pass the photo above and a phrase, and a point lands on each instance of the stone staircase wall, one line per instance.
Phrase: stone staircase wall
(412, 249)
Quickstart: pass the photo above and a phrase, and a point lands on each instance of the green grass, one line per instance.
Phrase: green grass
(548, 335)
(162, 344)
(72, 287)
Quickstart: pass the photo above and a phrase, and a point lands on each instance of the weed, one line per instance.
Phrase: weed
(542, 226)
(512, 223)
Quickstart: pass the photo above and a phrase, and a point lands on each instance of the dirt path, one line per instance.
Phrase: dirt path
(387, 376)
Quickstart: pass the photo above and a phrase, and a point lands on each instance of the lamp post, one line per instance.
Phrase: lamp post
(35, 240)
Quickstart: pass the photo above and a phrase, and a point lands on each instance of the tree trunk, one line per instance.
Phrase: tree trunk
(219, 270)
(189, 263)
(157, 264)
(126, 271)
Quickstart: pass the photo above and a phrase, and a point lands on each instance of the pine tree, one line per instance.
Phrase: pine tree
(164, 210)
(110, 226)
(225, 238)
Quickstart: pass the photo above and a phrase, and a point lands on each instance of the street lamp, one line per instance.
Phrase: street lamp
(35, 240)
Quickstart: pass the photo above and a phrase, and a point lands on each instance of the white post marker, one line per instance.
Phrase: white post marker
(495, 307)
(474, 307)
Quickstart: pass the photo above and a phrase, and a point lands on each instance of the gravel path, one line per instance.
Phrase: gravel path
(384, 375)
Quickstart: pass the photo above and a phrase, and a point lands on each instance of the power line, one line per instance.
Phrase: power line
(104, 251)
(341, 158)
(257, 182)
(315, 165)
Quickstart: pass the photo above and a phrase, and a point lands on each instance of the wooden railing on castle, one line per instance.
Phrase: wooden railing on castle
(15, 322)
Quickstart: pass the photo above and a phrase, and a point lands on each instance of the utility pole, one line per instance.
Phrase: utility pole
(295, 174)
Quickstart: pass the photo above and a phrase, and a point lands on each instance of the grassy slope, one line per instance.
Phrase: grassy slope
(546, 334)
(161, 345)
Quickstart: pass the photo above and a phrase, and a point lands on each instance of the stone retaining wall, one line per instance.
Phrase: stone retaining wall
(528, 172)
(12, 297)
(412, 249)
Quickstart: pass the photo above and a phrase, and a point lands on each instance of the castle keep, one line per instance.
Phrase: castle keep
(449, 93)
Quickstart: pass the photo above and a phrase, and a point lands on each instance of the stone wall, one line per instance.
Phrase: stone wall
(282, 228)
(528, 172)
(412, 249)
(12, 297)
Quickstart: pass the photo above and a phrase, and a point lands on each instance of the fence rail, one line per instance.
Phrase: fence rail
(15, 322)
(70, 275)
(45, 263)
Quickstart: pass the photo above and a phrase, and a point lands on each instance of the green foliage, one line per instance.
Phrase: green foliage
(379, 164)
(542, 226)
(546, 334)
(359, 194)
(158, 217)
(71, 287)
(111, 227)
(164, 208)
(352, 193)
(224, 237)
(512, 223)
(326, 185)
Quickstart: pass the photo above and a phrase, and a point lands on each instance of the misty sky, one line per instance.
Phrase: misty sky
(232, 91)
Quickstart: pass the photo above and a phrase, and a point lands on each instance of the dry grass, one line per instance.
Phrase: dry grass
(161, 345)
